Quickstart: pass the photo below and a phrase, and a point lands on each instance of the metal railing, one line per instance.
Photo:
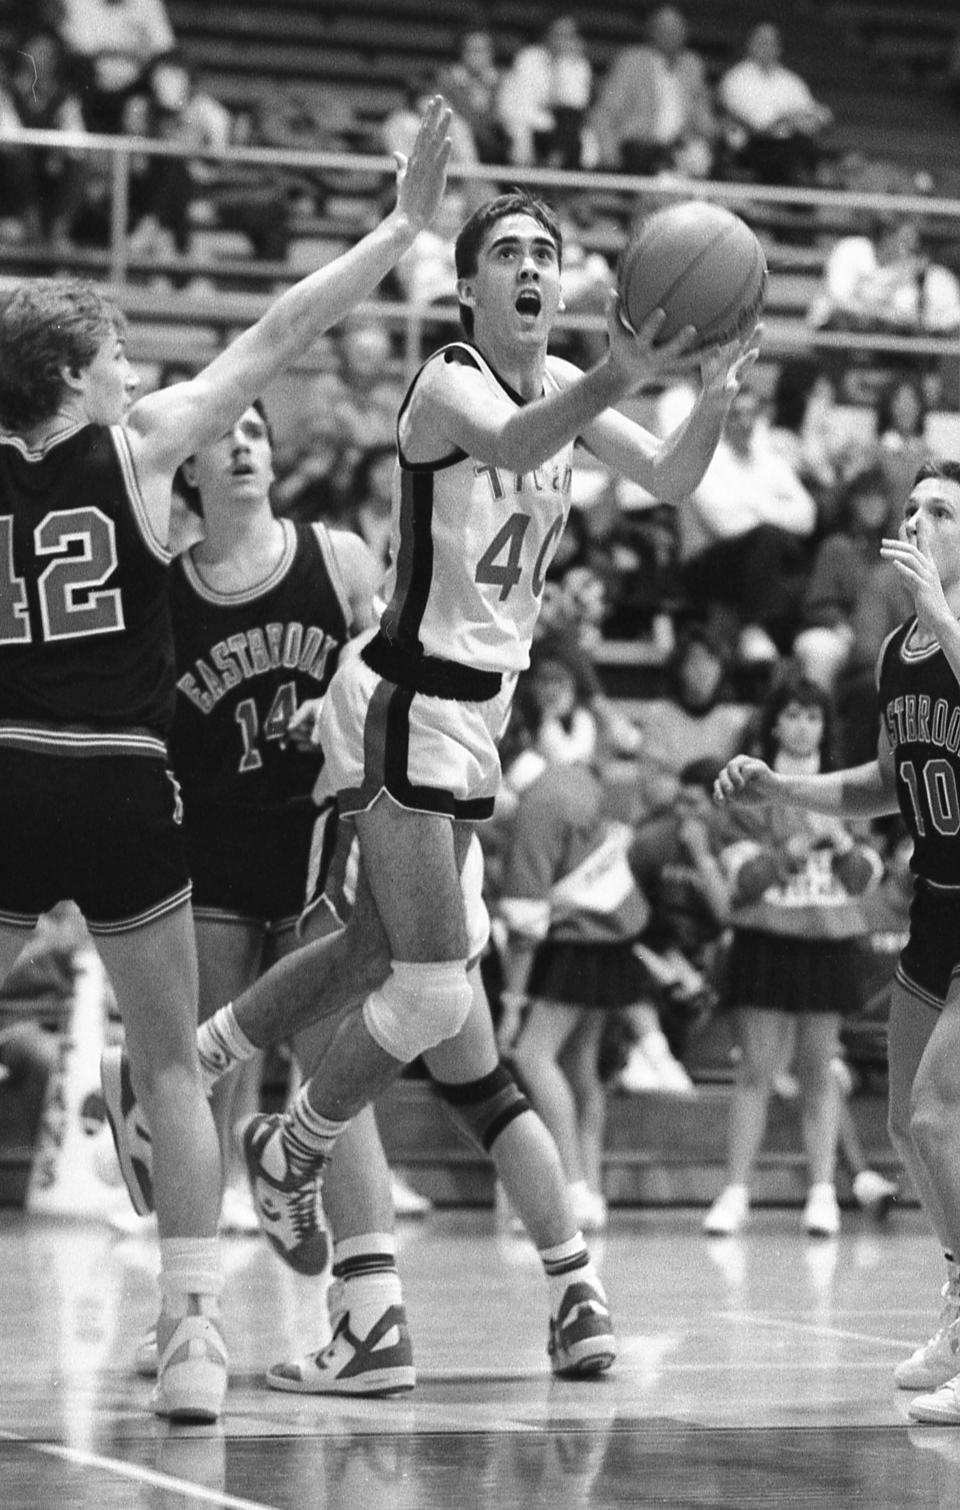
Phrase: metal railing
(224, 311)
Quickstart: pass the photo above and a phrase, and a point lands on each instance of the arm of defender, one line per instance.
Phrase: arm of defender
(169, 425)
(864, 791)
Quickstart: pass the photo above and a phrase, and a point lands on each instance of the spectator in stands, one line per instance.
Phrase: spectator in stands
(744, 535)
(545, 96)
(254, 200)
(363, 393)
(902, 444)
(312, 471)
(674, 856)
(843, 565)
(774, 125)
(793, 972)
(471, 87)
(695, 718)
(884, 280)
(806, 426)
(369, 495)
(43, 188)
(654, 112)
(399, 128)
(163, 189)
(571, 910)
(116, 40)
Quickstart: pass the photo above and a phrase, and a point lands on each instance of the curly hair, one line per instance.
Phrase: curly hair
(47, 324)
(473, 231)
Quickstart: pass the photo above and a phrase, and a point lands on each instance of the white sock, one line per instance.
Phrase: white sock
(222, 1043)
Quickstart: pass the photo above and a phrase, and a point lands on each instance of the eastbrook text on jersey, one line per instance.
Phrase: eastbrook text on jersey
(918, 717)
(254, 652)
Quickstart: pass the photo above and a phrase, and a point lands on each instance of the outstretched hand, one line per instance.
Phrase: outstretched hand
(913, 561)
(745, 779)
(725, 366)
(636, 353)
(422, 177)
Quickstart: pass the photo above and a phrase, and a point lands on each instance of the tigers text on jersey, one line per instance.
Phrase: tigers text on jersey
(471, 546)
(245, 662)
(84, 627)
(920, 707)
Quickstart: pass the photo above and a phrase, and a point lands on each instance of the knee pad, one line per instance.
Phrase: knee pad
(474, 907)
(418, 1006)
(484, 1108)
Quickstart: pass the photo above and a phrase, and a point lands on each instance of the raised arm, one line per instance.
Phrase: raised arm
(171, 424)
(671, 468)
(454, 408)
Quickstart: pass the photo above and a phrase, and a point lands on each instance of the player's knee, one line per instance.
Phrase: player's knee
(486, 1107)
(418, 1006)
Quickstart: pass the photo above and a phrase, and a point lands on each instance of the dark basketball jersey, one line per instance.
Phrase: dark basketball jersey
(920, 708)
(245, 662)
(84, 625)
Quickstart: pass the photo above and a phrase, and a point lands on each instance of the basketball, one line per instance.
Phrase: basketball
(699, 263)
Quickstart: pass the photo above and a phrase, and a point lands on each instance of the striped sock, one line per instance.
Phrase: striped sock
(366, 1278)
(569, 1263)
(222, 1043)
(308, 1137)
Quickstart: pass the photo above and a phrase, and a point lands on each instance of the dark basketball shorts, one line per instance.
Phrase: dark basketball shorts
(101, 829)
(931, 958)
(250, 865)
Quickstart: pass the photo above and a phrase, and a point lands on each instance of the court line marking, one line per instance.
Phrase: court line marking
(151, 1476)
(815, 1329)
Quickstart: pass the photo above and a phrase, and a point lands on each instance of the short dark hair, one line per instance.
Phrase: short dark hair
(47, 324)
(947, 471)
(187, 491)
(474, 230)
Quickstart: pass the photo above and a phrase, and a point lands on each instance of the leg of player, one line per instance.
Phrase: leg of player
(229, 953)
(910, 1025)
(485, 1100)
(412, 861)
(920, 1088)
(319, 978)
(154, 974)
(370, 1351)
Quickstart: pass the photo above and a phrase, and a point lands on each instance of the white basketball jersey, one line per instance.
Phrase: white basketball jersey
(471, 546)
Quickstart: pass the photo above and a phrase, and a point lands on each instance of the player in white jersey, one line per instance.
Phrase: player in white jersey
(410, 725)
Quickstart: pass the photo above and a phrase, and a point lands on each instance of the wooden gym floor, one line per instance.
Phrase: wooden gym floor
(754, 1371)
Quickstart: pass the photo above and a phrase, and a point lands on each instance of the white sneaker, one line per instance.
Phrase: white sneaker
(941, 1408)
(192, 1370)
(406, 1200)
(728, 1212)
(821, 1214)
(237, 1215)
(638, 1074)
(673, 1078)
(589, 1208)
(381, 1363)
(873, 1193)
(937, 1360)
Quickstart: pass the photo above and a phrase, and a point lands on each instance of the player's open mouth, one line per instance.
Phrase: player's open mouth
(242, 469)
(528, 302)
